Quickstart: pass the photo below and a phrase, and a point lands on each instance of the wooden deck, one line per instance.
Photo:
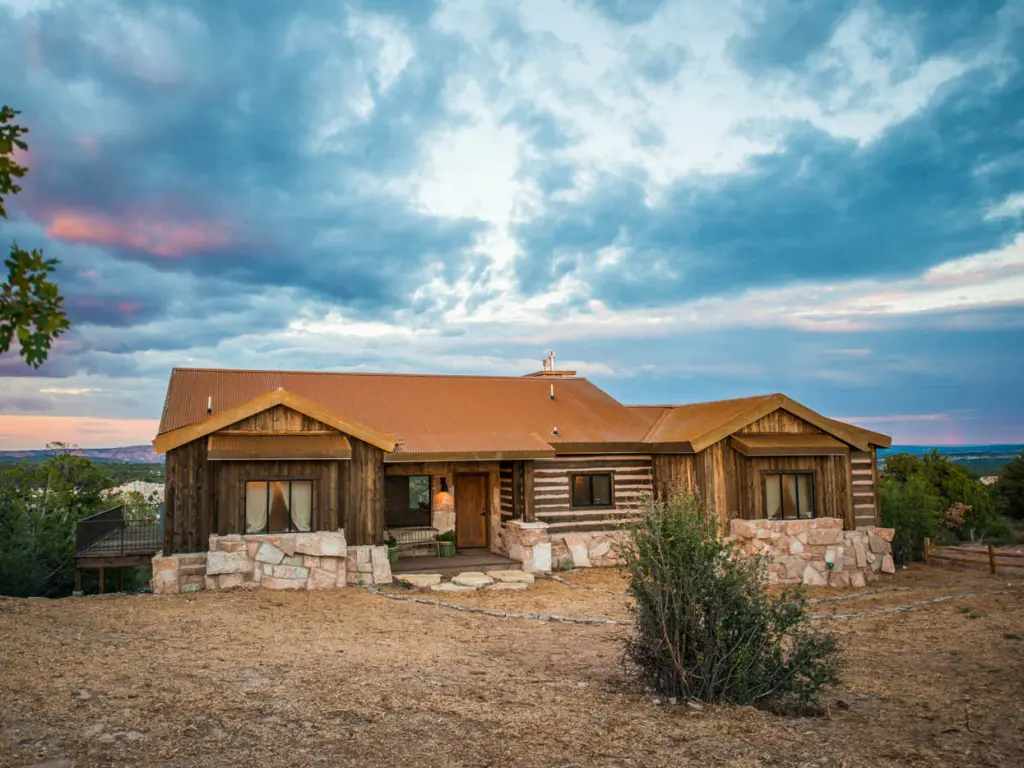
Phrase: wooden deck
(465, 560)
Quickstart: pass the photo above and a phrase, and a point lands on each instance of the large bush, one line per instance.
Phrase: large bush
(706, 628)
(1009, 491)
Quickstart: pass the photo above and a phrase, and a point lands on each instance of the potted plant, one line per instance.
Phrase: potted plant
(446, 544)
(392, 550)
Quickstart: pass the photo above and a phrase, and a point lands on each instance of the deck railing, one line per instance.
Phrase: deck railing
(109, 534)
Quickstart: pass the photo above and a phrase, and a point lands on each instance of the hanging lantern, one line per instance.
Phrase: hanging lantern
(443, 500)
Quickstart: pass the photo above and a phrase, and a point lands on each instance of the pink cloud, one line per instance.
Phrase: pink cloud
(160, 237)
(33, 432)
(128, 307)
(88, 145)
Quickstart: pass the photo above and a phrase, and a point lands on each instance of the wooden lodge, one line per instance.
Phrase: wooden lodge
(376, 455)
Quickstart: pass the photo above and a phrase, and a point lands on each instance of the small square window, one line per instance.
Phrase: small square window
(592, 490)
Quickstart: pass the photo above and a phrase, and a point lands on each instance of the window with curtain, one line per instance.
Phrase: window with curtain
(592, 490)
(788, 495)
(278, 506)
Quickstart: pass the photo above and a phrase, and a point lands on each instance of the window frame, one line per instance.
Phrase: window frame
(591, 474)
(267, 481)
(812, 474)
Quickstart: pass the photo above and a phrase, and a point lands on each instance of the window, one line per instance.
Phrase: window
(592, 490)
(278, 506)
(788, 495)
(407, 501)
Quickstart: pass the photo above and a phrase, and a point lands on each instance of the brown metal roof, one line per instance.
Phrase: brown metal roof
(788, 444)
(475, 416)
(222, 446)
(428, 414)
(688, 423)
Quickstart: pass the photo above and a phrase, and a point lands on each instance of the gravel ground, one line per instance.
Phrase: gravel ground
(350, 678)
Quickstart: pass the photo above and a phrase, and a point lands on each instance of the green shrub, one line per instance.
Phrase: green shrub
(706, 628)
(915, 512)
(447, 536)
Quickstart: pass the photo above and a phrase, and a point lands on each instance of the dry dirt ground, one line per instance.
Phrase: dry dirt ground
(351, 678)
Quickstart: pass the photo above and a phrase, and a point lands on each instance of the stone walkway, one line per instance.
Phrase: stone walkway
(467, 581)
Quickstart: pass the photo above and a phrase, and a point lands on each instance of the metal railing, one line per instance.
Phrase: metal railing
(108, 533)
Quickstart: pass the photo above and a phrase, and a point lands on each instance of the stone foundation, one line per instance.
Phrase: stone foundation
(526, 542)
(176, 574)
(599, 549)
(816, 552)
(316, 560)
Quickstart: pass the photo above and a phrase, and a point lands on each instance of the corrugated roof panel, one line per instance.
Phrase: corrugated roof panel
(271, 446)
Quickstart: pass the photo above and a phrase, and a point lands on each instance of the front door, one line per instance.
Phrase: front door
(471, 510)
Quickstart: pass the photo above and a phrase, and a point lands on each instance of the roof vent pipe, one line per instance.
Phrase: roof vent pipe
(552, 395)
(209, 405)
(554, 431)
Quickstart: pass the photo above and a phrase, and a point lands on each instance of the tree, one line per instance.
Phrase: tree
(31, 307)
(40, 506)
(1009, 491)
(902, 466)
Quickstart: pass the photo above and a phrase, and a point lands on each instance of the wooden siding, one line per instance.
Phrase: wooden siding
(831, 491)
(279, 419)
(204, 497)
(780, 420)
(864, 488)
(187, 499)
(362, 494)
(711, 474)
(516, 494)
(631, 478)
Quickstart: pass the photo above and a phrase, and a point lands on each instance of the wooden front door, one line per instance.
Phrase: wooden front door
(471, 510)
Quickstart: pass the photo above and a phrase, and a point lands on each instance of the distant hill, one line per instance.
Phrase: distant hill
(130, 454)
(982, 460)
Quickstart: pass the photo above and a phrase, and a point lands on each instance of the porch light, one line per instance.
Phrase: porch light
(443, 500)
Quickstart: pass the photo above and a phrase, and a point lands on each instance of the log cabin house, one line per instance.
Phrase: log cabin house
(493, 458)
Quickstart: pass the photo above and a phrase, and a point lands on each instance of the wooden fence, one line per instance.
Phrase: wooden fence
(978, 557)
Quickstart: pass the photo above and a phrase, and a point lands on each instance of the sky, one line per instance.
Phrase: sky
(684, 200)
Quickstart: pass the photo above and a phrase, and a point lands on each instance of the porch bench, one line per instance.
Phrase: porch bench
(415, 537)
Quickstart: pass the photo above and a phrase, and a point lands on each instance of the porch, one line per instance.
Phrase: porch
(463, 560)
(110, 540)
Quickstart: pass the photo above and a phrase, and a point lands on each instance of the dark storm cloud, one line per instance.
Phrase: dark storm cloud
(822, 209)
(212, 176)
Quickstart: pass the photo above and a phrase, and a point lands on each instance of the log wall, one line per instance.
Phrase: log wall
(631, 478)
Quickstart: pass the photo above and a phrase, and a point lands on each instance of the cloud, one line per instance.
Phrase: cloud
(691, 200)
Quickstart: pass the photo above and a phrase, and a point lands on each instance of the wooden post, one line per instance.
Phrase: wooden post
(78, 580)
(991, 559)
(101, 579)
(927, 549)
(120, 579)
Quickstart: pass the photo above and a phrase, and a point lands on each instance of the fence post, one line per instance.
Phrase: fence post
(927, 549)
(991, 559)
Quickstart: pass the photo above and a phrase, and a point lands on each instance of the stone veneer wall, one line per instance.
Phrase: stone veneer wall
(813, 552)
(816, 552)
(179, 573)
(317, 560)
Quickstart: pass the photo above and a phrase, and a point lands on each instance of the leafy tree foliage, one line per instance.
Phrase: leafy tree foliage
(923, 495)
(40, 505)
(1009, 491)
(31, 307)
(913, 509)
(706, 627)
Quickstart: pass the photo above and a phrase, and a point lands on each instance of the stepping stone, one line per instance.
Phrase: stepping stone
(472, 579)
(519, 577)
(419, 580)
(448, 587)
(503, 586)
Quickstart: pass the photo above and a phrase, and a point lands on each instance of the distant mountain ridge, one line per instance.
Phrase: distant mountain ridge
(130, 454)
